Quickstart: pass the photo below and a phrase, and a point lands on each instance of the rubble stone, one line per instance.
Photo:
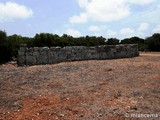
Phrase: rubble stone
(46, 55)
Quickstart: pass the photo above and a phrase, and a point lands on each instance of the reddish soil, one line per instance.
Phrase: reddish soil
(81, 90)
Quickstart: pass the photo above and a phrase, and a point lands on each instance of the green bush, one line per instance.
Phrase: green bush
(9, 45)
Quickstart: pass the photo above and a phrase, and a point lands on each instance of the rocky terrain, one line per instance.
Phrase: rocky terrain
(81, 90)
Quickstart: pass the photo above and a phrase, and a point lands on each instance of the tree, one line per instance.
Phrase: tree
(46, 39)
(153, 42)
(9, 45)
(3, 36)
(101, 40)
(5, 54)
(112, 41)
(13, 44)
(135, 40)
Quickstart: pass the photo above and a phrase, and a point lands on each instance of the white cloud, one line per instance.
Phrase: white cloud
(105, 10)
(141, 2)
(83, 3)
(79, 19)
(143, 27)
(126, 31)
(111, 33)
(94, 28)
(11, 10)
(73, 32)
(109, 10)
(102, 10)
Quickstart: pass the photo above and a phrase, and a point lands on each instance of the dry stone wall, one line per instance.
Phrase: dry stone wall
(46, 55)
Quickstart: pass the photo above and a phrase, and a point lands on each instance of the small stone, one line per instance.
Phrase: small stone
(67, 98)
(56, 118)
(61, 115)
(37, 113)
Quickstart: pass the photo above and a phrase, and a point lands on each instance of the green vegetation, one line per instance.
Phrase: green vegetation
(135, 40)
(153, 42)
(9, 45)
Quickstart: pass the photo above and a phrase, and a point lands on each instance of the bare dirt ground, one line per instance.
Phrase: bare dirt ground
(81, 90)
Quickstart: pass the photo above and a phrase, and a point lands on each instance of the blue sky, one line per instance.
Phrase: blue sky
(108, 18)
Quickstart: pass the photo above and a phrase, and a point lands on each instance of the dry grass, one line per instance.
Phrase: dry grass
(83, 90)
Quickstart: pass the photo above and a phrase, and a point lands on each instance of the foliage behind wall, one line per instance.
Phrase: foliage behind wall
(9, 45)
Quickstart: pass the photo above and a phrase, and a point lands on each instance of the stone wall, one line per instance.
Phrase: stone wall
(46, 55)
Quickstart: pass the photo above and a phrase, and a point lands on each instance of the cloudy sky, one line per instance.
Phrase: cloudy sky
(108, 18)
